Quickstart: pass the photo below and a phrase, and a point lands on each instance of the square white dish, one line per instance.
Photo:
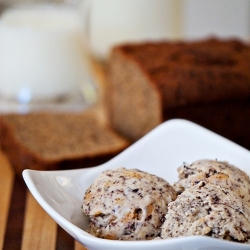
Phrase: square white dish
(160, 152)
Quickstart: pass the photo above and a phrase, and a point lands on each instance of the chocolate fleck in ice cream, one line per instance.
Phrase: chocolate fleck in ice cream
(127, 204)
(207, 209)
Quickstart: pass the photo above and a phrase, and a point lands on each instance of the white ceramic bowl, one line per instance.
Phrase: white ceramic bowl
(160, 152)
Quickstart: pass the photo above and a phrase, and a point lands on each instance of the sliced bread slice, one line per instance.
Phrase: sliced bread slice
(48, 141)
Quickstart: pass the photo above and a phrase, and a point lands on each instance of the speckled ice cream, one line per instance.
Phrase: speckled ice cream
(127, 204)
(207, 209)
(217, 172)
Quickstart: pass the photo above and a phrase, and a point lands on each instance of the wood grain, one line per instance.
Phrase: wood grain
(6, 184)
(78, 246)
(39, 228)
(23, 222)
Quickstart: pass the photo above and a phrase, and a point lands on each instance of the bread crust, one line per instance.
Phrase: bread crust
(193, 72)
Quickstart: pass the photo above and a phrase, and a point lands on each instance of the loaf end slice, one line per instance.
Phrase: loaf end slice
(134, 104)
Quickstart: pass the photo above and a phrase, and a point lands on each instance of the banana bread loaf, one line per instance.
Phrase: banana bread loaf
(50, 141)
(151, 82)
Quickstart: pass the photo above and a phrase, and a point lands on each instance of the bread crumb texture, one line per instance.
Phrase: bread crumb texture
(37, 139)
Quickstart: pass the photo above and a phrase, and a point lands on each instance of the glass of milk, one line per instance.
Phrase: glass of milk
(42, 56)
(119, 21)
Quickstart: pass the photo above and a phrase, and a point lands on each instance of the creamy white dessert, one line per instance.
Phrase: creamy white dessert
(216, 172)
(127, 204)
(207, 209)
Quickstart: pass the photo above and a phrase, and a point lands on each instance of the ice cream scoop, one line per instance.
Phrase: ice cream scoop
(127, 204)
(210, 210)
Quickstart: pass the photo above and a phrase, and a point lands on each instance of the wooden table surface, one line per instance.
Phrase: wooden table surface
(23, 223)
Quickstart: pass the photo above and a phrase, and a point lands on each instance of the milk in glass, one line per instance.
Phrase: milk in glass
(118, 21)
(41, 52)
